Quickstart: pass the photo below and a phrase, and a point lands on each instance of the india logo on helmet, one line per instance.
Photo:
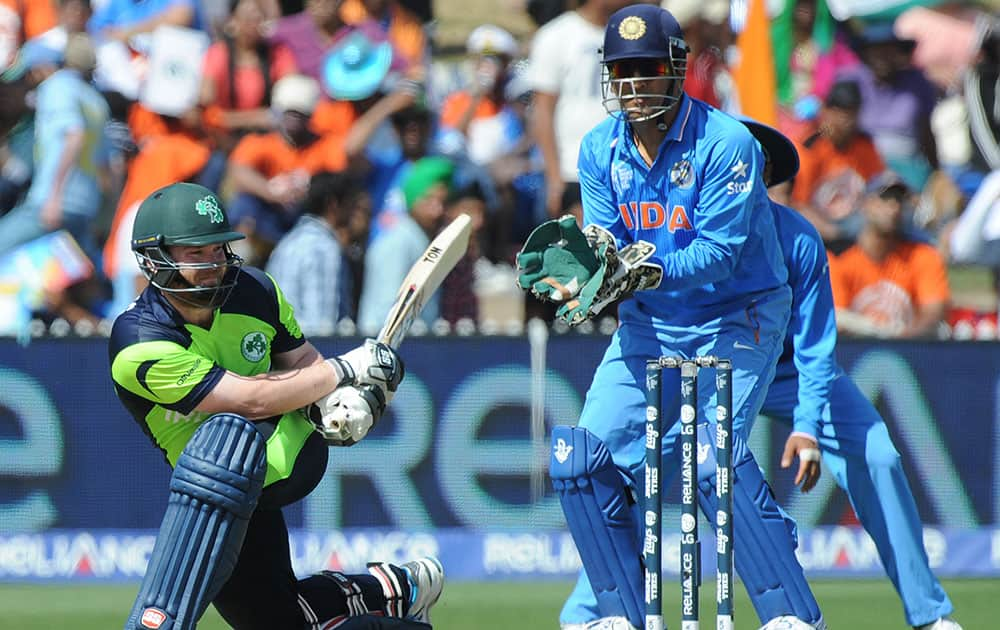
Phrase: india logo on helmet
(210, 207)
(632, 28)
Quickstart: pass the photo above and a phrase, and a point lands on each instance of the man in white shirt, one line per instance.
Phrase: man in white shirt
(565, 74)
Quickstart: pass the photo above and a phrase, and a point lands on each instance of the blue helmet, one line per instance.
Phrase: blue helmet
(645, 59)
(779, 151)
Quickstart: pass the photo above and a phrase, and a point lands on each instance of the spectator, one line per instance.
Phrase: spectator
(123, 20)
(458, 297)
(480, 114)
(808, 54)
(393, 253)
(896, 103)
(313, 263)
(178, 152)
(565, 73)
(240, 72)
(270, 172)
(837, 161)
(309, 34)
(706, 31)
(21, 21)
(887, 285)
(17, 128)
(981, 86)
(312, 33)
(413, 127)
(397, 24)
(69, 152)
(72, 16)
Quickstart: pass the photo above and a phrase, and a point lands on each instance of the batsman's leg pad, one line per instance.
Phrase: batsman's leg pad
(601, 520)
(764, 537)
(213, 492)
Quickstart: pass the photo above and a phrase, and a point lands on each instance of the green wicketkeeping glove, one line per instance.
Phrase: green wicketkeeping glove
(624, 273)
(557, 260)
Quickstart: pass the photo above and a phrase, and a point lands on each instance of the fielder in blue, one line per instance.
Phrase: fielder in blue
(830, 415)
(680, 230)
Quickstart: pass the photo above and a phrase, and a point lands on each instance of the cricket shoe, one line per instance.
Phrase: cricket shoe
(426, 582)
(604, 623)
(788, 622)
(943, 623)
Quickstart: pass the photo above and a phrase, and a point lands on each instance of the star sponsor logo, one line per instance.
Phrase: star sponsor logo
(739, 169)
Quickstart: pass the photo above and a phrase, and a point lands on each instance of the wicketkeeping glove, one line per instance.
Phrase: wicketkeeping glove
(621, 274)
(557, 260)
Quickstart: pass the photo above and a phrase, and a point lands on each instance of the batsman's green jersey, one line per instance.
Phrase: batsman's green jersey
(163, 367)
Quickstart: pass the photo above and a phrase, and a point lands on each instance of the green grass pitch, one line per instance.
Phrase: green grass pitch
(847, 605)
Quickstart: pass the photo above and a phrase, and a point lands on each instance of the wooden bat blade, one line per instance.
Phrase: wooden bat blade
(424, 277)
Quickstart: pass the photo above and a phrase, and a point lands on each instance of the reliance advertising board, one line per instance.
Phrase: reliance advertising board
(455, 468)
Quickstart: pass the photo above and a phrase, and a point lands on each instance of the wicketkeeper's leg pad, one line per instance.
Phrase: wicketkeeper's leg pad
(764, 537)
(213, 492)
(601, 519)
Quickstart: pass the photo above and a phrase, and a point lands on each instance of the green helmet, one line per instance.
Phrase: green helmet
(181, 214)
(184, 214)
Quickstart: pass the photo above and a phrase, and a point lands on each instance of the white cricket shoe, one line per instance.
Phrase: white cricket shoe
(943, 623)
(427, 580)
(604, 623)
(788, 622)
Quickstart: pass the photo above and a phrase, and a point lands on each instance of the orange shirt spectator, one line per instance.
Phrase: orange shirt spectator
(887, 285)
(270, 154)
(175, 155)
(836, 164)
(37, 16)
(402, 27)
(822, 162)
(889, 291)
(458, 103)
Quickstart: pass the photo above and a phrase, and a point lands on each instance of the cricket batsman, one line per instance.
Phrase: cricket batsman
(830, 416)
(213, 367)
(678, 228)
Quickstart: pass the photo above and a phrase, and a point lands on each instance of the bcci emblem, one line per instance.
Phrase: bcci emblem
(681, 174)
(254, 346)
(632, 28)
(208, 206)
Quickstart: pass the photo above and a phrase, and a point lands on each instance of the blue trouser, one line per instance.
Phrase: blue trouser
(615, 406)
(859, 453)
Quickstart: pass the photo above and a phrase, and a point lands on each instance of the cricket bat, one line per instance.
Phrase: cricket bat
(424, 277)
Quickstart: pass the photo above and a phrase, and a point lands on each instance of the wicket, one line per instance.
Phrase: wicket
(690, 565)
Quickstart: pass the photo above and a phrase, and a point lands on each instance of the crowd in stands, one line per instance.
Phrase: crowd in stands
(342, 138)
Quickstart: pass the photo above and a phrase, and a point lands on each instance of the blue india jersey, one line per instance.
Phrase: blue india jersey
(703, 205)
(808, 353)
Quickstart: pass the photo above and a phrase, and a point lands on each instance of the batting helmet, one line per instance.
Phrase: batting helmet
(645, 59)
(184, 215)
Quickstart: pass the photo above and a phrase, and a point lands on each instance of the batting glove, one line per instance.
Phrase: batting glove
(372, 363)
(344, 416)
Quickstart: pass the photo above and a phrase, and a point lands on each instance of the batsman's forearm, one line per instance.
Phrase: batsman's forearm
(271, 394)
